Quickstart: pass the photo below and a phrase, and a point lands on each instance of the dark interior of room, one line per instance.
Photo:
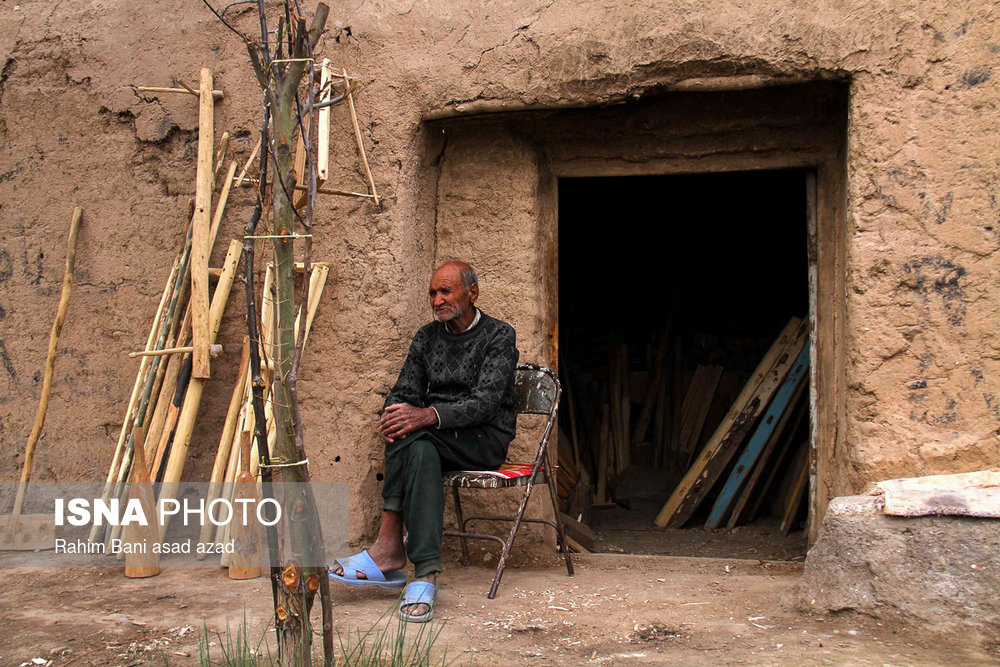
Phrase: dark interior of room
(708, 269)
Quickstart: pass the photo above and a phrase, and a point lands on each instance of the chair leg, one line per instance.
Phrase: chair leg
(461, 526)
(510, 543)
(551, 483)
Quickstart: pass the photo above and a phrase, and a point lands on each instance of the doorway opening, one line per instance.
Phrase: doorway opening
(674, 292)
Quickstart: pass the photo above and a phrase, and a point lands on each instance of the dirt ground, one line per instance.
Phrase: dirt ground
(617, 610)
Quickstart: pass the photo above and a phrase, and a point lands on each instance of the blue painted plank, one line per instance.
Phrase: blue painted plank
(760, 436)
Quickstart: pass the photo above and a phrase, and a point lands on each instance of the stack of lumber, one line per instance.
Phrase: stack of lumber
(755, 434)
(736, 452)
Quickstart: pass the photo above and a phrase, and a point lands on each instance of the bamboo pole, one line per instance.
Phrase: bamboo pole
(357, 136)
(192, 399)
(200, 249)
(226, 440)
(50, 364)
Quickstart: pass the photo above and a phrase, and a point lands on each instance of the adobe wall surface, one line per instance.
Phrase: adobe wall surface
(919, 352)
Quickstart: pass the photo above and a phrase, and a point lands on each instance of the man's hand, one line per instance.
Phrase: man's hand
(401, 419)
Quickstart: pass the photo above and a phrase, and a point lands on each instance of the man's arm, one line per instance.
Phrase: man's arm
(495, 377)
(411, 385)
(403, 411)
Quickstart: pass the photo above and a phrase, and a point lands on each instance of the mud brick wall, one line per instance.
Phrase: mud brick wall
(916, 357)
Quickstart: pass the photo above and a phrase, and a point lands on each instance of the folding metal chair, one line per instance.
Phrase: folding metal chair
(538, 392)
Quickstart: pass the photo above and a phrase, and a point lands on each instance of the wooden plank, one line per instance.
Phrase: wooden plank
(579, 531)
(797, 489)
(772, 472)
(323, 131)
(699, 479)
(782, 434)
(706, 381)
(200, 248)
(780, 406)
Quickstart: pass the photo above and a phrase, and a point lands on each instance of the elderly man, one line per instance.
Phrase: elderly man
(452, 408)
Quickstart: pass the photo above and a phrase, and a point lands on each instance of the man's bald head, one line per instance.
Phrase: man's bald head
(464, 271)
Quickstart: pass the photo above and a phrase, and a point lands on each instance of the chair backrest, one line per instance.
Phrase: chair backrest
(538, 389)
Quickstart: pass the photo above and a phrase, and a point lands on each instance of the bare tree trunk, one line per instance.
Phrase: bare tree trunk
(301, 573)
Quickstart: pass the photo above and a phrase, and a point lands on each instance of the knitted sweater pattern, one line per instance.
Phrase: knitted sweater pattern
(467, 377)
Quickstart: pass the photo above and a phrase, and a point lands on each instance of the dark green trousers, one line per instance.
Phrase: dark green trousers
(413, 469)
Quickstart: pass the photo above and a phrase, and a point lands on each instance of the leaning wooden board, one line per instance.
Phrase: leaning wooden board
(721, 447)
(769, 460)
(782, 403)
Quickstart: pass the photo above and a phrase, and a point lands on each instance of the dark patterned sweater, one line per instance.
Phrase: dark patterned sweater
(467, 377)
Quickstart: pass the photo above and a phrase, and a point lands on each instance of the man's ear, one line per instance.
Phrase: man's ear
(473, 293)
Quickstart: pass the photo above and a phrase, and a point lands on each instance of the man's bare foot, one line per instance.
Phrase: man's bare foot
(387, 558)
(420, 608)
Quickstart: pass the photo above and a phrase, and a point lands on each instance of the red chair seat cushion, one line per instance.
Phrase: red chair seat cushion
(509, 474)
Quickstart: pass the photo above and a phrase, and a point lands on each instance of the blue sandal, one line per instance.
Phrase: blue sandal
(363, 563)
(418, 592)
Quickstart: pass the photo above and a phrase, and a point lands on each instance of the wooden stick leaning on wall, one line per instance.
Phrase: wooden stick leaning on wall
(222, 455)
(200, 247)
(140, 380)
(143, 561)
(244, 562)
(192, 399)
(171, 302)
(50, 362)
(183, 279)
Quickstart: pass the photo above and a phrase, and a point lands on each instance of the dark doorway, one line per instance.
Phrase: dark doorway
(708, 269)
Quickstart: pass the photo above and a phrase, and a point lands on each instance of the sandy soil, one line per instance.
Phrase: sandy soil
(617, 610)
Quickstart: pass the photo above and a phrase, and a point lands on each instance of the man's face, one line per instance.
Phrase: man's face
(448, 297)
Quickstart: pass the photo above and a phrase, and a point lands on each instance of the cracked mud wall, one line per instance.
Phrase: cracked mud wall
(918, 353)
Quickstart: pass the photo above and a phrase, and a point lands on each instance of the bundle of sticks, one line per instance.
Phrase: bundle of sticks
(163, 383)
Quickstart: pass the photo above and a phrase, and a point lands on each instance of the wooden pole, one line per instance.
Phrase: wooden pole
(244, 562)
(140, 379)
(216, 94)
(226, 441)
(214, 350)
(141, 560)
(357, 137)
(50, 365)
(201, 367)
(243, 172)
